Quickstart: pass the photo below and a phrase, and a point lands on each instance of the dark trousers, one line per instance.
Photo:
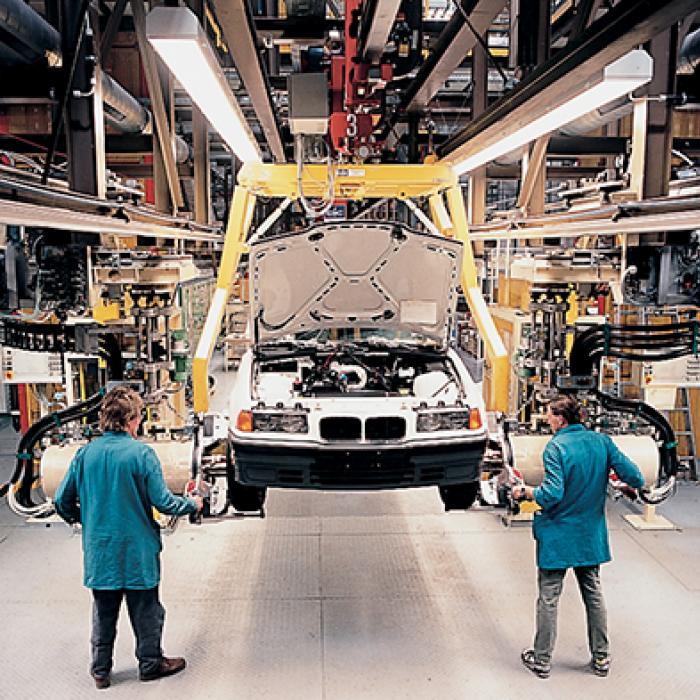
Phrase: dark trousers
(147, 616)
(550, 583)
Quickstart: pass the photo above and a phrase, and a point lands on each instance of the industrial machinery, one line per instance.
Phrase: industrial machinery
(86, 310)
(559, 341)
(101, 317)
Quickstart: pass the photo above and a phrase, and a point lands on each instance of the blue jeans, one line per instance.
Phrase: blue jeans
(551, 582)
(147, 616)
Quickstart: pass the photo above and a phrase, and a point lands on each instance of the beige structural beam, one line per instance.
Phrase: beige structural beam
(495, 349)
(532, 188)
(239, 32)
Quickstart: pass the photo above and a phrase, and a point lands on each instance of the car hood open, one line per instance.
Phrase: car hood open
(372, 275)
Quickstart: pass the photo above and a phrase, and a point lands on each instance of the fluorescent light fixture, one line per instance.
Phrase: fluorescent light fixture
(178, 38)
(617, 79)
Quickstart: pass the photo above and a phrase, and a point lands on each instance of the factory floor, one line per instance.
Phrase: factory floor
(338, 596)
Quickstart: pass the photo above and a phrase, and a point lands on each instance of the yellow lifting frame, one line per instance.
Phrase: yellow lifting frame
(355, 182)
(239, 219)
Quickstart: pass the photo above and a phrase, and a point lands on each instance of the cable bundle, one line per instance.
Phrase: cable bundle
(649, 343)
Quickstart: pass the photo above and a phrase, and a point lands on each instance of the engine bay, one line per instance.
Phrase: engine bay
(354, 369)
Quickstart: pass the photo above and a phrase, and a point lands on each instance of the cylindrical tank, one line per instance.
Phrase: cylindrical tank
(175, 457)
(527, 455)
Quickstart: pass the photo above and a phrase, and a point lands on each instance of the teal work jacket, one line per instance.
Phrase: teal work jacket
(571, 529)
(111, 487)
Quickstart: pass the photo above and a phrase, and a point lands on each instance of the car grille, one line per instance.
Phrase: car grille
(349, 428)
(385, 428)
(340, 428)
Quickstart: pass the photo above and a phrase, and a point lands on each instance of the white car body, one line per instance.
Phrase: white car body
(324, 400)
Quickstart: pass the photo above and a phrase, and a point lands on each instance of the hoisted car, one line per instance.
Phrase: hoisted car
(351, 382)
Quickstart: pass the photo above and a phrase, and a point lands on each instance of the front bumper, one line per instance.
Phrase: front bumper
(336, 468)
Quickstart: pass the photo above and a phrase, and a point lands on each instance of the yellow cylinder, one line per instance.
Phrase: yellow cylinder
(175, 458)
(528, 449)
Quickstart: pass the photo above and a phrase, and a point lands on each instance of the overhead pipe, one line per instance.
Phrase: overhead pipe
(33, 39)
(122, 110)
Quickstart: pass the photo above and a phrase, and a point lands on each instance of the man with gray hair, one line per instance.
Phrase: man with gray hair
(570, 530)
(111, 488)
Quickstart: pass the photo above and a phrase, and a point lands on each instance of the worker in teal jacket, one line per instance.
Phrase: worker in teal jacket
(111, 488)
(570, 530)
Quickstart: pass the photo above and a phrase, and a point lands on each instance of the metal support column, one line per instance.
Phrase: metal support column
(84, 118)
(531, 197)
(202, 176)
(477, 179)
(150, 67)
(161, 181)
(663, 49)
(531, 34)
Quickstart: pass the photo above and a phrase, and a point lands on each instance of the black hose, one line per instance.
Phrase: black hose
(623, 341)
(25, 455)
(667, 450)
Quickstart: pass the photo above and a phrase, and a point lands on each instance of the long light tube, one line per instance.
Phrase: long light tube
(178, 38)
(618, 78)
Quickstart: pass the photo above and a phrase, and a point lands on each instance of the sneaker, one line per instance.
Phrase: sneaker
(167, 667)
(540, 668)
(601, 667)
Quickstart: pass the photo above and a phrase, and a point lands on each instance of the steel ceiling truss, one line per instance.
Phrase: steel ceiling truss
(239, 31)
(621, 29)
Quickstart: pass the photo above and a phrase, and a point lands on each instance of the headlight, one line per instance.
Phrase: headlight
(432, 421)
(277, 422)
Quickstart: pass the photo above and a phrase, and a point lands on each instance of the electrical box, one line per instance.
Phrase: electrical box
(308, 103)
(27, 367)
(663, 275)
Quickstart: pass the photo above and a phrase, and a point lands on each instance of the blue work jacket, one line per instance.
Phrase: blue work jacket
(571, 529)
(111, 488)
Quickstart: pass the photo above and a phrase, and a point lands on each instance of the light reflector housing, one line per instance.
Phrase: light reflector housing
(280, 422)
(617, 79)
(430, 421)
(178, 38)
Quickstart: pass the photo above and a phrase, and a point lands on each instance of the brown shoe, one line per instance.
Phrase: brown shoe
(101, 682)
(168, 667)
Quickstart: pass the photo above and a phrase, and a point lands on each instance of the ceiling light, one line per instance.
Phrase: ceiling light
(617, 79)
(178, 38)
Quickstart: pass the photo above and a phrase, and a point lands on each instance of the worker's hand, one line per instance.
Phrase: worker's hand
(522, 492)
(625, 489)
(199, 501)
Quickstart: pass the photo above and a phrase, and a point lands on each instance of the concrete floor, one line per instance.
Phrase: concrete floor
(340, 596)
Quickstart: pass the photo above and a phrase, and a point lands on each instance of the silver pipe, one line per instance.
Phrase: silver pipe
(689, 55)
(122, 109)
